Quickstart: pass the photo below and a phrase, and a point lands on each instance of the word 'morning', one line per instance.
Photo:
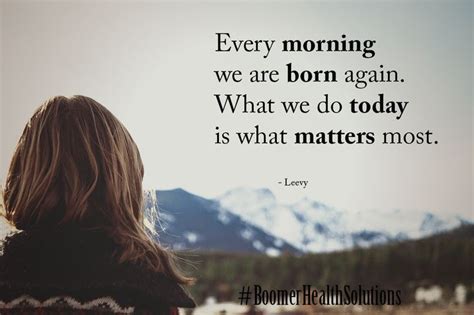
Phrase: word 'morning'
(331, 45)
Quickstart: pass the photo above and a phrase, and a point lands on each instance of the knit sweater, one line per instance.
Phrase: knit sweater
(72, 271)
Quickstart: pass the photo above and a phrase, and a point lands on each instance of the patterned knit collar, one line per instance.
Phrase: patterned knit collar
(45, 263)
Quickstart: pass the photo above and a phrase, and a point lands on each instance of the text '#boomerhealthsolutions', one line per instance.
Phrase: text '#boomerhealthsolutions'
(330, 295)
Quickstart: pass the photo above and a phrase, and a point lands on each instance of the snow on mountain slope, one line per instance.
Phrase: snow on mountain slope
(313, 226)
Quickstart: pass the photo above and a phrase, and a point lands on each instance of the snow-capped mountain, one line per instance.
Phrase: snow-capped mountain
(187, 221)
(252, 220)
(312, 226)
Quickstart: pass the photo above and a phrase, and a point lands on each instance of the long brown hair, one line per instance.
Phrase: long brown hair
(75, 163)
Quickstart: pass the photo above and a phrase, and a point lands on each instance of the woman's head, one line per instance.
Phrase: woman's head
(76, 164)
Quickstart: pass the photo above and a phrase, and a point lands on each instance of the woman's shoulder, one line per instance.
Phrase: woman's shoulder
(72, 267)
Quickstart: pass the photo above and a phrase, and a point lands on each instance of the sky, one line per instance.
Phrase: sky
(152, 65)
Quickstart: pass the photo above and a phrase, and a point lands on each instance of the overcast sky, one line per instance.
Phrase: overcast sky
(152, 65)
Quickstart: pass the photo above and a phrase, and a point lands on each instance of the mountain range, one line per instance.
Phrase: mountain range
(252, 220)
